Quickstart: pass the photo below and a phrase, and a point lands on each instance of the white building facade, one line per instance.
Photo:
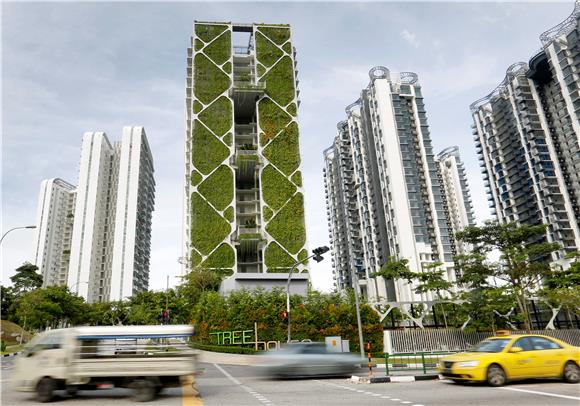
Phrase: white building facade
(54, 221)
(455, 193)
(383, 191)
(96, 238)
(527, 135)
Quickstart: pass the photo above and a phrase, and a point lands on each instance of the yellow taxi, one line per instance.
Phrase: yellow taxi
(506, 357)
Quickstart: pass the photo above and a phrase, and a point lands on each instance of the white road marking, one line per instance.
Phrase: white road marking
(543, 393)
(257, 395)
(366, 392)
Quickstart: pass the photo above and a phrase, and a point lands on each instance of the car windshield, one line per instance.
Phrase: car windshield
(493, 345)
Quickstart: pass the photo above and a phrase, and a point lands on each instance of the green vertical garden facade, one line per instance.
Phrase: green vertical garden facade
(245, 207)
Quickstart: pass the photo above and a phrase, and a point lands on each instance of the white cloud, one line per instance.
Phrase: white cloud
(410, 37)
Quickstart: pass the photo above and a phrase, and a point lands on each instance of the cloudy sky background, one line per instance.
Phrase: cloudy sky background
(68, 68)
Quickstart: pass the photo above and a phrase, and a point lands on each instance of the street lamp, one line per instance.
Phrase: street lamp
(354, 281)
(15, 228)
(77, 284)
(317, 255)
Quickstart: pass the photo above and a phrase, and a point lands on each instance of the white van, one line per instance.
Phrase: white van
(145, 358)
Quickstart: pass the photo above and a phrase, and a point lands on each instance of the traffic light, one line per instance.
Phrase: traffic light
(318, 253)
(164, 317)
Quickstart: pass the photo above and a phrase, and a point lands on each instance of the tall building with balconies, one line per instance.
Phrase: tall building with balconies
(455, 193)
(243, 200)
(527, 135)
(54, 220)
(383, 194)
(111, 238)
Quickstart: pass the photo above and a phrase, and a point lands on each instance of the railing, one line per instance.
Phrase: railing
(414, 361)
(246, 85)
(241, 50)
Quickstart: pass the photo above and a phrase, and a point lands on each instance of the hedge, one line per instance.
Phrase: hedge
(284, 152)
(207, 32)
(266, 52)
(276, 189)
(261, 70)
(278, 35)
(272, 119)
(218, 188)
(220, 49)
(302, 255)
(227, 67)
(222, 257)
(223, 348)
(209, 80)
(195, 177)
(287, 48)
(280, 81)
(228, 139)
(208, 152)
(198, 44)
(276, 257)
(218, 116)
(297, 178)
(287, 227)
(208, 228)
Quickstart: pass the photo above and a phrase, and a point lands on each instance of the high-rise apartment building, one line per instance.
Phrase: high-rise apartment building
(527, 134)
(96, 238)
(455, 193)
(383, 194)
(54, 221)
(244, 201)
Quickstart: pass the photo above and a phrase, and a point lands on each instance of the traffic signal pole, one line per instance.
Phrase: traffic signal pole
(317, 255)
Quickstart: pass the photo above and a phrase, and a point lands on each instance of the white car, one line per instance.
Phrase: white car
(309, 360)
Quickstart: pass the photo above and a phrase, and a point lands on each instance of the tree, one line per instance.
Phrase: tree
(430, 280)
(26, 279)
(50, 306)
(524, 259)
(7, 299)
(561, 288)
(197, 282)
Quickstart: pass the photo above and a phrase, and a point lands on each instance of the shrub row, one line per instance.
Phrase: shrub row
(223, 348)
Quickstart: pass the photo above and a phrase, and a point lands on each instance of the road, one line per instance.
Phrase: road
(223, 385)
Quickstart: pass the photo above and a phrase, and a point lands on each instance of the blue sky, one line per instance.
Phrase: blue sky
(71, 67)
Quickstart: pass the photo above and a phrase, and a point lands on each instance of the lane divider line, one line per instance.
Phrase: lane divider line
(251, 391)
(542, 393)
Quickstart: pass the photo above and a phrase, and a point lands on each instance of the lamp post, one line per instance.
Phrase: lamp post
(317, 255)
(15, 228)
(354, 281)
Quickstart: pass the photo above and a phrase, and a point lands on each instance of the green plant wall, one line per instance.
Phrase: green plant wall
(212, 178)
(279, 138)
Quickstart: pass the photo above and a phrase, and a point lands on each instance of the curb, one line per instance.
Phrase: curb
(387, 379)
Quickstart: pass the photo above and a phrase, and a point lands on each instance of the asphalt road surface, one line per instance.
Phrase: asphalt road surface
(225, 385)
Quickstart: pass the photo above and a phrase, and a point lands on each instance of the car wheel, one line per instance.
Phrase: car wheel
(45, 390)
(496, 375)
(571, 372)
(72, 390)
(144, 390)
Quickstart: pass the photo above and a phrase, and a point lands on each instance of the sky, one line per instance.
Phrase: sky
(72, 67)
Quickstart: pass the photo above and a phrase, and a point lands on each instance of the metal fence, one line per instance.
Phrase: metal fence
(437, 340)
(422, 361)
